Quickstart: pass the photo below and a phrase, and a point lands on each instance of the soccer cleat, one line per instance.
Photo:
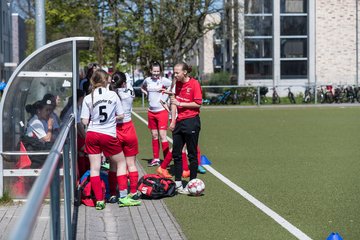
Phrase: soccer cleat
(154, 162)
(135, 196)
(182, 190)
(163, 172)
(100, 205)
(128, 202)
(186, 174)
(113, 199)
(201, 169)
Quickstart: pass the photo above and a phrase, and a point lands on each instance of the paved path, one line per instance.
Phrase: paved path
(151, 220)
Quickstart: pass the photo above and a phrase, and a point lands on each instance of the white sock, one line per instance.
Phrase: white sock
(123, 193)
(178, 184)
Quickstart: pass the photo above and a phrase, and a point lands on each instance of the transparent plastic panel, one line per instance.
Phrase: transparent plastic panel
(28, 88)
(56, 59)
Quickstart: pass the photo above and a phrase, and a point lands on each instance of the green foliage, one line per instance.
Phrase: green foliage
(30, 32)
(6, 199)
(221, 78)
(129, 32)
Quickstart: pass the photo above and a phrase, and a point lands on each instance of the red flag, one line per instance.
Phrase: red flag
(19, 188)
(24, 160)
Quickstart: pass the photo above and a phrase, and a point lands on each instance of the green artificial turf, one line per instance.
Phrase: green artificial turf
(303, 163)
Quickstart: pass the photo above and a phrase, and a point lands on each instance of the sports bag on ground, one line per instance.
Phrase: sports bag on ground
(153, 186)
(87, 195)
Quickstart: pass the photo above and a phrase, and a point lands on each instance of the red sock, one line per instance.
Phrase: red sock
(112, 183)
(96, 187)
(167, 155)
(185, 161)
(165, 148)
(198, 155)
(133, 177)
(155, 148)
(122, 182)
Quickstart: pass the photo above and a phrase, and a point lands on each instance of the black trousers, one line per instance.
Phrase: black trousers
(186, 131)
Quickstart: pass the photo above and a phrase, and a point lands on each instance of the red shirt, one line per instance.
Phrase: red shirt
(188, 92)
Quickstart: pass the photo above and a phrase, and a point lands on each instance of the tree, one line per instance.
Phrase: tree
(164, 30)
(131, 32)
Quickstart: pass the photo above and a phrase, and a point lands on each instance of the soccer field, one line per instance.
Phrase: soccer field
(303, 163)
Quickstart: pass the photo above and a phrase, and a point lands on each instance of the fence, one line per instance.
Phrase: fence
(280, 94)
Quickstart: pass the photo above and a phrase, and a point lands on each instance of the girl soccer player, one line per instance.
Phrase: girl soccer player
(126, 134)
(100, 110)
(157, 115)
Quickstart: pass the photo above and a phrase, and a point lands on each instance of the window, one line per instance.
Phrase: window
(294, 69)
(258, 25)
(258, 48)
(293, 25)
(293, 6)
(294, 48)
(258, 6)
(293, 39)
(258, 39)
(258, 70)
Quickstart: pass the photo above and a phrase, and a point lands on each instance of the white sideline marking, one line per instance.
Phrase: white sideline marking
(280, 220)
(276, 217)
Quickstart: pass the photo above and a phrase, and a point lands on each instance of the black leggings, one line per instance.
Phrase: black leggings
(186, 131)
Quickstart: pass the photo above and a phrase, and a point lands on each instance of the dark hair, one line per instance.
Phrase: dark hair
(117, 80)
(32, 108)
(184, 67)
(49, 97)
(155, 64)
(79, 94)
(90, 70)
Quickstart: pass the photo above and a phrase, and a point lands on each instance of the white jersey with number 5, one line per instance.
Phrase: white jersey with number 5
(101, 109)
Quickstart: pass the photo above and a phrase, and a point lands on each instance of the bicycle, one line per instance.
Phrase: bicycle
(291, 96)
(307, 95)
(275, 96)
(325, 96)
(350, 94)
(263, 99)
(357, 94)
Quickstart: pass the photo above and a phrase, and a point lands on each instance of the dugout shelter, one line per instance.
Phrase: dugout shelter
(53, 68)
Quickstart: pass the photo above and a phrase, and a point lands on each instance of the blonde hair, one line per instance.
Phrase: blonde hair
(98, 79)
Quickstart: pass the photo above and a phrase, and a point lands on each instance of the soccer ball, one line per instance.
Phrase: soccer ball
(196, 187)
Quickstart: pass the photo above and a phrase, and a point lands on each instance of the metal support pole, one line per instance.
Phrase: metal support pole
(357, 43)
(258, 95)
(67, 192)
(55, 206)
(142, 99)
(40, 28)
(74, 166)
(315, 91)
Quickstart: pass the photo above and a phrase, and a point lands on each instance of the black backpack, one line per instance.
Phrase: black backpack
(153, 186)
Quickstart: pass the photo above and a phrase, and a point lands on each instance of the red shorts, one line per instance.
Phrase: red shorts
(95, 143)
(158, 120)
(127, 137)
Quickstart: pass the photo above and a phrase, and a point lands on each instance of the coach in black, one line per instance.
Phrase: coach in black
(188, 100)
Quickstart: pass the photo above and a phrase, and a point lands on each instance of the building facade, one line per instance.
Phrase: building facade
(291, 42)
(206, 52)
(18, 39)
(5, 40)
